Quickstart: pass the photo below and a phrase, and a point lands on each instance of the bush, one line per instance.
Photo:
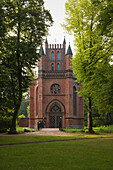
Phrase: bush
(5, 123)
(73, 130)
(27, 130)
(3, 130)
(103, 129)
(12, 132)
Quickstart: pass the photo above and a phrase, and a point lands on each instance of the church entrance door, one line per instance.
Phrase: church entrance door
(55, 116)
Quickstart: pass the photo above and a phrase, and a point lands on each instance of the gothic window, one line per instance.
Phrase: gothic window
(55, 108)
(52, 55)
(57, 55)
(52, 67)
(74, 101)
(37, 101)
(55, 88)
(58, 67)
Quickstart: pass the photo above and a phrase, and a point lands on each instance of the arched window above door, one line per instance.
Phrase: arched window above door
(74, 101)
(37, 101)
(55, 108)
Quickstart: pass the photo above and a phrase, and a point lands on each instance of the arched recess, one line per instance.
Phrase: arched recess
(37, 101)
(52, 55)
(55, 101)
(55, 116)
(58, 55)
(58, 67)
(52, 66)
(74, 101)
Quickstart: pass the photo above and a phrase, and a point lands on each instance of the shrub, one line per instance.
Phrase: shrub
(3, 130)
(27, 130)
(5, 123)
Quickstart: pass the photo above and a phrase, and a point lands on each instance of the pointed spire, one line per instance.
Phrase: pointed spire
(64, 42)
(41, 51)
(69, 51)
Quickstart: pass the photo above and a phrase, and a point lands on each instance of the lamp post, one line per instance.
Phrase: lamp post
(43, 120)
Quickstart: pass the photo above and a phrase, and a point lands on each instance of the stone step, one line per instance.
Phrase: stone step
(49, 129)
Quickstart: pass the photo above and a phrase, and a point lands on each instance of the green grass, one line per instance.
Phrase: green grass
(33, 139)
(102, 129)
(80, 155)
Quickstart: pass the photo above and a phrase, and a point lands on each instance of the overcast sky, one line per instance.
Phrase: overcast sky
(57, 33)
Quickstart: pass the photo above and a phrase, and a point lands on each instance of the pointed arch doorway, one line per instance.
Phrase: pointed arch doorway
(55, 116)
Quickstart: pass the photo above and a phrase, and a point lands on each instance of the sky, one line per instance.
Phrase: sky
(56, 32)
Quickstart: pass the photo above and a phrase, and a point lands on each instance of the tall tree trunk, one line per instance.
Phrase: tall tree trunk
(90, 124)
(107, 120)
(18, 103)
(13, 125)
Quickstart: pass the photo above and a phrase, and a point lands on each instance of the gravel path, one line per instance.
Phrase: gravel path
(42, 133)
(48, 132)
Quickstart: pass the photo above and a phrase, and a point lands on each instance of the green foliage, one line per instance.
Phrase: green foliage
(26, 24)
(101, 129)
(5, 123)
(18, 119)
(28, 130)
(24, 108)
(104, 92)
(28, 111)
(73, 130)
(86, 19)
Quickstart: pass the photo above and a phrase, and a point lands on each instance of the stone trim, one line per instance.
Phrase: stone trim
(55, 71)
(74, 118)
(55, 95)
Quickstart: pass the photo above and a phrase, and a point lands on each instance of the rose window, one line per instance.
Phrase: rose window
(55, 88)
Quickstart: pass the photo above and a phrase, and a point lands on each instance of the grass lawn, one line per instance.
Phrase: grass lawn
(74, 155)
(33, 139)
(101, 129)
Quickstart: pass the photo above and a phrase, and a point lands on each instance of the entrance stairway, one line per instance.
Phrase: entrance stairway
(49, 130)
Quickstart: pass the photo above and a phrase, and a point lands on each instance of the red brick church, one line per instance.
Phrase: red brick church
(54, 100)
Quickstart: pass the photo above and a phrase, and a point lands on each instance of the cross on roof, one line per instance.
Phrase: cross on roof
(55, 40)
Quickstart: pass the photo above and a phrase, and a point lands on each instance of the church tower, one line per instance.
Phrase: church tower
(53, 95)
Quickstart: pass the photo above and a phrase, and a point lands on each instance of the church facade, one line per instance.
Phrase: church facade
(54, 100)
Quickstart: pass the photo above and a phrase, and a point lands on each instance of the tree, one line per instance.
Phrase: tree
(93, 48)
(104, 92)
(27, 23)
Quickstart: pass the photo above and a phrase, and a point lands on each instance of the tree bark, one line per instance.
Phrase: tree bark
(90, 124)
(13, 125)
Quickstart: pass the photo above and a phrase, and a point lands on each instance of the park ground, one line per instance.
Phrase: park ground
(63, 151)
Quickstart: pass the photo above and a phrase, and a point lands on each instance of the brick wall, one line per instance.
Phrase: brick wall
(64, 78)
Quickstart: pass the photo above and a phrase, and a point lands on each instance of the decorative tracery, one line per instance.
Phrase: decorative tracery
(55, 108)
(55, 88)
